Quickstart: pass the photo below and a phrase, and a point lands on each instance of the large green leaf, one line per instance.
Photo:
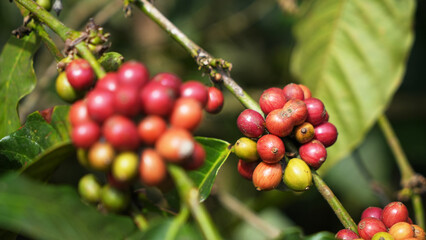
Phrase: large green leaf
(352, 55)
(54, 212)
(39, 146)
(17, 79)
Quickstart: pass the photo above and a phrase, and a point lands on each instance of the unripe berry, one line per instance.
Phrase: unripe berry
(78, 113)
(175, 145)
(271, 99)
(46, 4)
(367, 227)
(279, 123)
(113, 199)
(151, 128)
(169, 80)
(306, 92)
(304, 132)
(246, 150)
(293, 91)
(197, 158)
(374, 212)
(80, 74)
(109, 82)
(85, 134)
(89, 188)
(346, 234)
(393, 213)
(401, 231)
(186, 113)
(121, 133)
(297, 110)
(316, 111)
(100, 156)
(297, 175)
(246, 169)
(313, 153)
(326, 133)
(270, 148)
(267, 176)
(157, 99)
(251, 123)
(215, 100)
(152, 168)
(382, 236)
(125, 166)
(133, 73)
(100, 105)
(196, 90)
(64, 88)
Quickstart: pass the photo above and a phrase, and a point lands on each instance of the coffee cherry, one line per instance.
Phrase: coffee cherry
(197, 159)
(382, 236)
(251, 123)
(175, 145)
(297, 175)
(187, 113)
(326, 116)
(169, 80)
(304, 132)
(246, 169)
(293, 91)
(394, 212)
(109, 82)
(246, 150)
(367, 227)
(126, 100)
(297, 110)
(78, 113)
(100, 156)
(85, 134)
(401, 231)
(214, 101)
(157, 99)
(306, 92)
(271, 99)
(267, 176)
(133, 73)
(46, 4)
(82, 157)
(374, 212)
(270, 148)
(316, 111)
(80, 74)
(121, 133)
(100, 105)
(196, 90)
(89, 188)
(151, 128)
(279, 123)
(152, 168)
(125, 166)
(346, 234)
(419, 232)
(113, 199)
(313, 153)
(326, 133)
(64, 88)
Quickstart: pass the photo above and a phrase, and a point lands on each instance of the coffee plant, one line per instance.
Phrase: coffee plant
(141, 119)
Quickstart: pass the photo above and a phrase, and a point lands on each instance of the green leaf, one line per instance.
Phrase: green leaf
(158, 231)
(17, 79)
(217, 151)
(352, 55)
(54, 212)
(321, 236)
(39, 146)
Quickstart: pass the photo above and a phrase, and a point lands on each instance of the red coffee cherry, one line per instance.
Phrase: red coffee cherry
(169, 80)
(187, 113)
(316, 111)
(152, 168)
(293, 91)
(121, 133)
(313, 153)
(197, 159)
(306, 92)
(80, 74)
(270, 148)
(108, 82)
(151, 128)
(367, 227)
(100, 156)
(271, 99)
(194, 89)
(175, 145)
(394, 212)
(251, 123)
(133, 73)
(267, 176)
(346, 234)
(326, 133)
(126, 100)
(374, 212)
(246, 169)
(215, 100)
(157, 99)
(297, 110)
(279, 122)
(100, 105)
(78, 113)
(85, 134)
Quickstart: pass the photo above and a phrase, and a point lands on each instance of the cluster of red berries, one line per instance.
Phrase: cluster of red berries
(293, 116)
(130, 125)
(390, 223)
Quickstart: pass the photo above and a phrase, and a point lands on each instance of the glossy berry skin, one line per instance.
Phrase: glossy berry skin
(316, 111)
(100, 105)
(152, 168)
(297, 110)
(267, 176)
(113, 199)
(64, 88)
(78, 113)
(367, 227)
(374, 212)
(214, 101)
(85, 134)
(393, 213)
(169, 80)
(304, 132)
(306, 91)
(46, 4)
(175, 145)
(125, 166)
(297, 175)
(251, 123)
(246, 150)
(126, 101)
(326, 133)
(151, 128)
(186, 113)
(293, 91)
(80, 74)
(270, 148)
(121, 133)
(346, 234)
(271, 99)
(313, 153)
(109, 82)
(279, 123)
(196, 90)
(133, 73)
(419, 232)
(401, 231)
(89, 188)
(246, 169)
(157, 99)
(197, 159)
(100, 156)
(382, 236)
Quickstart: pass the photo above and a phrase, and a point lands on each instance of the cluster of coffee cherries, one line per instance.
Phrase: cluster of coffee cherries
(390, 223)
(129, 126)
(293, 119)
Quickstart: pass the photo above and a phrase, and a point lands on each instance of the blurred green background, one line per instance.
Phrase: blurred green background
(256, 36)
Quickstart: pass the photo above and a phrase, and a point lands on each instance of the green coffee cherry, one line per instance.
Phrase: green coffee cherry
(89, 188)
(46, 4)
(297, 175)
(125, 166)
(382, 236)
(111, 61)
(113, 199)
(82, 157)
(64, 88)
(246, 149)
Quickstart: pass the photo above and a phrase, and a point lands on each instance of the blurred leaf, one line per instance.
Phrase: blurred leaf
(39, 146)
(54, 212)
(352, 55)
(17, 79)
(321, 236)
(158, 231)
